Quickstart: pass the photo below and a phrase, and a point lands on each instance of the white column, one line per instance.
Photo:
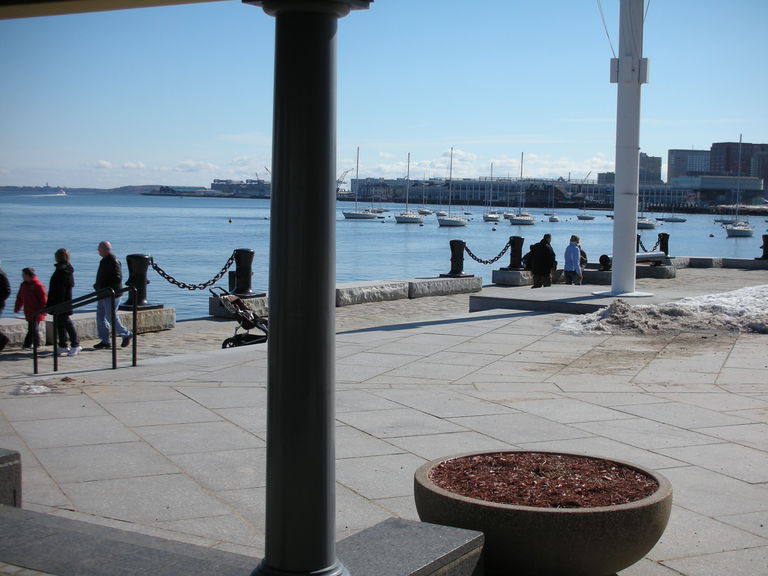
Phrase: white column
(629, 71)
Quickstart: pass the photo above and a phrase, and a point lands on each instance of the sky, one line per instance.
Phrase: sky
(182, 95)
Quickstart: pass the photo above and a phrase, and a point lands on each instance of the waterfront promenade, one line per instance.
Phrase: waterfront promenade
(175, 447)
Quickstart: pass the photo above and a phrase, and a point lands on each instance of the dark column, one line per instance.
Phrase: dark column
(300, 504)
(516, 252)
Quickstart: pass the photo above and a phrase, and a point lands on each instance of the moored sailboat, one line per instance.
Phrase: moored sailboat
(448, 219)
(521, 217)
(408, 216)
(358, 214)
(491, 215)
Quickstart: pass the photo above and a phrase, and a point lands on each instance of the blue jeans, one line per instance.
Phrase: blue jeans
(103, 318)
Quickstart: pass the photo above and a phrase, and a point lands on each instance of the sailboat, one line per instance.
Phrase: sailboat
(491, 215)
(424, 211)
(358, 214)
(739, 228)
(407, 216)
(449, 220)
(552, 215)
(583, 215)
(521, 218)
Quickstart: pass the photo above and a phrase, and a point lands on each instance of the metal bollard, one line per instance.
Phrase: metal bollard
(457, 258)
(664, 243)
(765, 248)
(243, 272)
(138, 264)
(516, 252)
(637, 244)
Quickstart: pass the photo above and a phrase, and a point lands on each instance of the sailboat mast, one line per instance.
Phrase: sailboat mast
(407, 180)
(357, 173)
(450, 182)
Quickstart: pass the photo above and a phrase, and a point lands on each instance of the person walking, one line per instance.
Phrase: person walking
(109, 275)
(543, 261)
(5, 292)
(32, 298)
(572, 267)
(60, 290)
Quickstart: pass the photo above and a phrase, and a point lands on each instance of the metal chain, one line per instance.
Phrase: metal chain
(202, 286)
(492, 260)
(655, 246)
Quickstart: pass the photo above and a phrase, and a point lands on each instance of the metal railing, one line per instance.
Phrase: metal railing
(75, 303)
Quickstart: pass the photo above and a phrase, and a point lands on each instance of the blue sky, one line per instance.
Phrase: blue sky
(182, 95)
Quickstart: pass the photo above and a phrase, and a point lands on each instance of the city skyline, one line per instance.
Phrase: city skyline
(183, 95)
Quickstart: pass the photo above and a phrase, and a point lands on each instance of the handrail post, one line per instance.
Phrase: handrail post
(134, 327)
(112, 328)
(55, 343)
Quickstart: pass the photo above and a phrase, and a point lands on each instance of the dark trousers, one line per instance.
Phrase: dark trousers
(65, 327)
(540, 280)
(32, 334)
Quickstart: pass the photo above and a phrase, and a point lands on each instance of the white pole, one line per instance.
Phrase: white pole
(629, 71)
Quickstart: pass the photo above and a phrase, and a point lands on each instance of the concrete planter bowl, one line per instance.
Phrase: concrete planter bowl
(527, 540)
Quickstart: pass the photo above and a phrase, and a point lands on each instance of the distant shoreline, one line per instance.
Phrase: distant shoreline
(153, 190)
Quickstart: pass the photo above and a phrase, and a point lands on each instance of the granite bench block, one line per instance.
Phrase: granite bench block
(423, 287)
(375, 291)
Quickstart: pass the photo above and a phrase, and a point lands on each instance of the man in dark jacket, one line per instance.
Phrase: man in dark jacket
(543, 261)
(109, 275)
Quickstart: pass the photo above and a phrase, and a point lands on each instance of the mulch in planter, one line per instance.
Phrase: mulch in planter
(543, 480)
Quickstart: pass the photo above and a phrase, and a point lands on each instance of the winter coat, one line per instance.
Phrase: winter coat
(542, 258)
(61, 284)
(572, 259)
(109, 274)
(5, 289)
(32, 298)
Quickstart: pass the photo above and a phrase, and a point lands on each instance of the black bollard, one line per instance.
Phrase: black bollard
(457, 258)
(138, 264)
(516, 252)
(605, 262)
(243, 271)
(664, 243)
(765, 248)
(637, 244)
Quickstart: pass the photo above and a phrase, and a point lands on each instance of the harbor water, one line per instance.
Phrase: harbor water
(192, 238)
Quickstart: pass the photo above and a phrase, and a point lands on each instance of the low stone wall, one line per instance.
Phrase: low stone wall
(153, 320)
(362, 292)
(592, 275)
(372, 291)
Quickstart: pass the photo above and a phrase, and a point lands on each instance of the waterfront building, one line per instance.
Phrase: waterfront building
(687, 163)
(724, 159)
(252, 188)
(650, 169)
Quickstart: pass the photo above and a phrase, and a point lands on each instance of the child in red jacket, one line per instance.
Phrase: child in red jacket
(32, 298)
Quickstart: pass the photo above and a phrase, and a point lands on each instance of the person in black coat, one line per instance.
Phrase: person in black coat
(60, 290)
(5, 292)
(543, 261)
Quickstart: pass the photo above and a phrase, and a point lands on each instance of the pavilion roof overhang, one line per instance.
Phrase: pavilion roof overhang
(10, 9)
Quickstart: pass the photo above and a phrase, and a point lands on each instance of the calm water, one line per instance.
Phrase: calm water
(192, 238)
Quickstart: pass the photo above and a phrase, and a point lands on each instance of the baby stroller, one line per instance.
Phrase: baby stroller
(246, 318)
